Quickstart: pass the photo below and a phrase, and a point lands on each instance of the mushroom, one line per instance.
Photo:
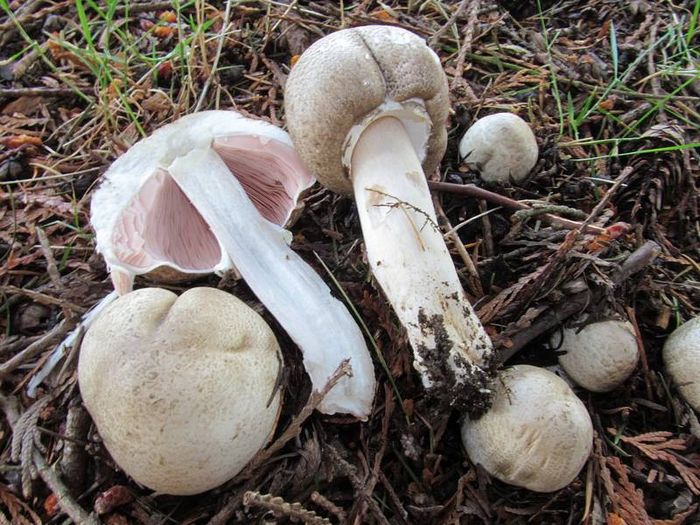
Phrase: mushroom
(366, 109)
(211, 192)
(537, 435)
(182, 390)
(501, 147)
(600, 356)
(681, 356)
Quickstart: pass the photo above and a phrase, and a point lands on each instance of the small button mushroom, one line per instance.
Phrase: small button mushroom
(366, 109)
(183, 390)
(500, 147)
(681, 356)
(600, 356)
(537, 435)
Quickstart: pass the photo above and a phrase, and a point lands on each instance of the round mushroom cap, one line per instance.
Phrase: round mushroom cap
(681, 355)
(599, 357)
(501, 147)
(351, 77)
(182, 389)
(537, 435)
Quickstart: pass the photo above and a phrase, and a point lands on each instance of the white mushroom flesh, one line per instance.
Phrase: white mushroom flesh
(537, 435)
(600, 356)
(410, 260)
(681, 356)
(183, 390)
(290, 289)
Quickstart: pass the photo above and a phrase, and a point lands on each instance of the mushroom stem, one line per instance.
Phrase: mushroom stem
(411, 262)
(289, 288)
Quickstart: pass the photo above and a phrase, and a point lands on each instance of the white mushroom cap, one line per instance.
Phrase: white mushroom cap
(599, 357)
(501, 147)
(181, 389)
(537, 435)
(352, 77)
(682, 359)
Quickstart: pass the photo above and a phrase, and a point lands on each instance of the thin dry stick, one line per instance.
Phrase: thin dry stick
(357, 484)
(450, 22)
(37, 347)
(74, 511)
(41, 92)
(51, 267)
(471, 190)
(637, 261)
(292, 431)
(44, 299)
(474, 281)
(219, 48)
(465, 48)
(328, 506)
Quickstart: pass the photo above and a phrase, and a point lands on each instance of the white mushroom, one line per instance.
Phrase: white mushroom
(211, 192)
(500, 147)
(366, 108)
(600, 356)
(537, 434)
(681, 356)
(183, 390)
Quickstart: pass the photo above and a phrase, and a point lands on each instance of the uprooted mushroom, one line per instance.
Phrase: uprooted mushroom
(212, 192)
(366, 108)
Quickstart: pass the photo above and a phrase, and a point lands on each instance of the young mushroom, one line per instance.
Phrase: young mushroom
(537, 435)
(182, 390)
(600, 356)
(366, 108)
(210, 192)
(681, 356)
(501, 147)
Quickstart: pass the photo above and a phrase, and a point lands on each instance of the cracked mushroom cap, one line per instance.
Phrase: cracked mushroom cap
(599, 357)
(500, 147)
(537, 435)
(348, 79)
(181, 389)
(681, 355)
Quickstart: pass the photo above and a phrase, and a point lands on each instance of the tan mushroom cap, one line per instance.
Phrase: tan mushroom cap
(349, 78)
(181, 388)
(537, 435)
(682, 359)
(599, 357)
(501, 147)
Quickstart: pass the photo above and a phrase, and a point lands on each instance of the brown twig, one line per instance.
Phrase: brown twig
(450, 22)
(43, 298)
(34, 349)
(636, 262)
(471, 190)
(51, 267)
(328, 506)
(41, 92)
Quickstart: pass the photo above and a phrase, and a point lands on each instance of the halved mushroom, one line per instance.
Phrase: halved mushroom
(145, 223)
(537, 435)
(366, 108)
(501, 147)
(183, 390)
(211, 192)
